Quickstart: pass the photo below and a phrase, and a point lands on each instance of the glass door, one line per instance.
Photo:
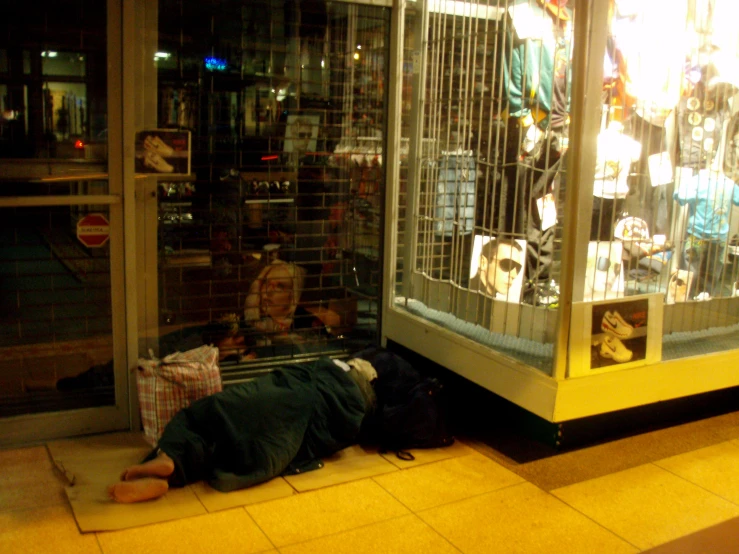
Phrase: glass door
(63, 312)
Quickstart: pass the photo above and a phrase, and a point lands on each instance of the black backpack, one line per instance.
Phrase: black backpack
(411, 409)
(420, 422)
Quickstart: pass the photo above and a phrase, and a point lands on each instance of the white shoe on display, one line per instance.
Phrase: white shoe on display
(158, 146)
(157, 163)
(614, 349)
(613, 323)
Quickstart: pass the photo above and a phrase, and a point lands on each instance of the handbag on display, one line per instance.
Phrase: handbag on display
(168, 385)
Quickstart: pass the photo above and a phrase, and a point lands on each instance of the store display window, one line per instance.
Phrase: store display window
(270, 245)
(493, 171)
(656, 174)
(670, 84)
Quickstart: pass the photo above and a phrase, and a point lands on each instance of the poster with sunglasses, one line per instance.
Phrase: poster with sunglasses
(611, 335)
(604, 272)
(301, 133)
(497, 267)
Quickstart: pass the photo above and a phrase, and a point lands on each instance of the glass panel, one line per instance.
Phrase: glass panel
(286, 105)
(67, 106)
(666, 189)
(55, 306)
(54, 77)
(481, 252)
(67, 64)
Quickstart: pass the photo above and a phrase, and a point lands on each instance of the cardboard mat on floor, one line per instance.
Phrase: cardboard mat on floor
(90, 464)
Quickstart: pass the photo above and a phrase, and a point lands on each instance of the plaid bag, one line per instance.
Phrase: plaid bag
(166, 386)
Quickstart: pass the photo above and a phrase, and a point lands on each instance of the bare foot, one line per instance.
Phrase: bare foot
(161, 466)
(139, 490)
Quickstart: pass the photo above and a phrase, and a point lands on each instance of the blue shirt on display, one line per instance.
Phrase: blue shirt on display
(709, 195)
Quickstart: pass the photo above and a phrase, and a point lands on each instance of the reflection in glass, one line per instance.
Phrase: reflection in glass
(54, 91)
(55, 300)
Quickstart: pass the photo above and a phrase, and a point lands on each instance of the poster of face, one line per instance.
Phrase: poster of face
(301, 133)
(497, 267)
(273, 298)
(604, 273)
(163, 151)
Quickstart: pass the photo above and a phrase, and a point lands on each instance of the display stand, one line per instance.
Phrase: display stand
(561, 362)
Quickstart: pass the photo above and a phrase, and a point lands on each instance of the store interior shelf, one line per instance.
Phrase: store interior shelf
(187, 258)
(269, 200)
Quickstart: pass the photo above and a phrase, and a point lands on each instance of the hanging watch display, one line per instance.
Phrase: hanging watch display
(697, 134)
(709, 124)
(693, 103)
(695, 118)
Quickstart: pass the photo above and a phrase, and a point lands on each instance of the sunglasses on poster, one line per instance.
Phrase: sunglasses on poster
(508, 265)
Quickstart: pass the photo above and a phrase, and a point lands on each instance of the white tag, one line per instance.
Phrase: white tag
(342, 365)
(660, 169)
(547, 211)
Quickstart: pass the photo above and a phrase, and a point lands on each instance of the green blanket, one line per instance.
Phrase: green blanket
(283, 422)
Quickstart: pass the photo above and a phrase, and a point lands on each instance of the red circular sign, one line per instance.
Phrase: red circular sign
(93, 230)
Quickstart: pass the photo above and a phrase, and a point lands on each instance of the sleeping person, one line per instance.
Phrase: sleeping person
(281, 423)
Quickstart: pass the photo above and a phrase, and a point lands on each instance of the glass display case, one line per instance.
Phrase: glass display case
(569, 221)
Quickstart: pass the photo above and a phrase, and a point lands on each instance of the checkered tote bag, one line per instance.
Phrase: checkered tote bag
(166, 386)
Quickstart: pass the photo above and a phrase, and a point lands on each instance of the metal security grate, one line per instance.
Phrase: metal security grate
(287, 116)
(491, 165)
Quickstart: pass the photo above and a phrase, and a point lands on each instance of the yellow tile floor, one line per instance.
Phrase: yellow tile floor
(445, 502)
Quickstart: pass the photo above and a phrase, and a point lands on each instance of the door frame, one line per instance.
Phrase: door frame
(124, 277)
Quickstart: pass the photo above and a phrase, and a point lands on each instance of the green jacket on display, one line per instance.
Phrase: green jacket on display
(530, 60)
